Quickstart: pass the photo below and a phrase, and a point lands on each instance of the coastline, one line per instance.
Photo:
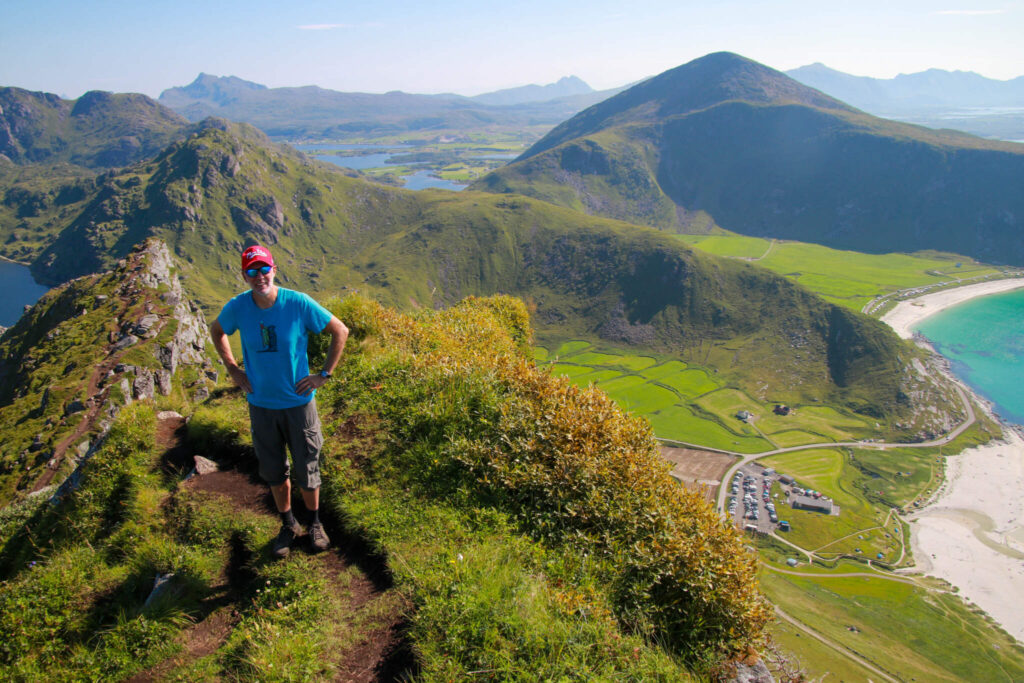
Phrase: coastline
(971, 533)
(908, 313)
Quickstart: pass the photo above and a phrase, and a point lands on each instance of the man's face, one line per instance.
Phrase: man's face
(260, 283)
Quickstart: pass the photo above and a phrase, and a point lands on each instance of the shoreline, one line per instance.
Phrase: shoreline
(971, 533)
(910, 312)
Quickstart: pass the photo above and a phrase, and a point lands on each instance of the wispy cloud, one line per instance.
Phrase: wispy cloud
(971, 12)
(322, 27)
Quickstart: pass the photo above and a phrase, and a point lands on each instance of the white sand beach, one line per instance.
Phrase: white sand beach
(972, 533)
(909, 313)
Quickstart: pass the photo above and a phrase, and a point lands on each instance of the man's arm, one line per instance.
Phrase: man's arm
(220, 342)
(339, 335)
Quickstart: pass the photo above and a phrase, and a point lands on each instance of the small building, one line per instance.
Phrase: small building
(786, 479)
(791, 562)
(783, 525)
(744, 415)
(813, 504)
(780, 409)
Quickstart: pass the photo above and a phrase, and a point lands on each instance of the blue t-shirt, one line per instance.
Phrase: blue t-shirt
(274, 344)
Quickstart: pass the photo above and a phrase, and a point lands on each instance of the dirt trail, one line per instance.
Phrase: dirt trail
(381, 654)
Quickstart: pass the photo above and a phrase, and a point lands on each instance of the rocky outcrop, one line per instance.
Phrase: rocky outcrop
(146, 331)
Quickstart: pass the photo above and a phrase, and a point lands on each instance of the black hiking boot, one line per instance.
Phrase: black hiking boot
(318, 537)
(282, 545)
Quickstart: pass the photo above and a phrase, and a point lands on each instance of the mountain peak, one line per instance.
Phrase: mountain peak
(704, 82)
(566, 86)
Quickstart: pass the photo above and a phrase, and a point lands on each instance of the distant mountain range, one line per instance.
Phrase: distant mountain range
(931, 89)
(311, 111)
(564, 87)
(724, 140)
(962, 100)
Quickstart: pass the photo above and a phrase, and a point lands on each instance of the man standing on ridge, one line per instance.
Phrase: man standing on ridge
(274, 325)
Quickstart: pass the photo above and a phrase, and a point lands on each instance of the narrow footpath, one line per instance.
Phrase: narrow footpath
(371, 607)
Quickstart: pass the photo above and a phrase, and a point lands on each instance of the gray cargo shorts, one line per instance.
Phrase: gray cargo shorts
(296, 428)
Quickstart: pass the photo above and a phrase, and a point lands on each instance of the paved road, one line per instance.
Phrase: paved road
(746, 458)
(848, 575)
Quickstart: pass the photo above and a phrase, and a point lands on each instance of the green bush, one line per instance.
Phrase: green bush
(471, 421)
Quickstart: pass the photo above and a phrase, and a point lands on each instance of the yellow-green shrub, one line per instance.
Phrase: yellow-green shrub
(471, 420)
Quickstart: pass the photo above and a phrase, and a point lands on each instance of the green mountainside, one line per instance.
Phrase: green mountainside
(724, 140)
(227, 185)
(98, 130)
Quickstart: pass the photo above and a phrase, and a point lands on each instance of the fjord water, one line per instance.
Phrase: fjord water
(19, 289)
(984, 340)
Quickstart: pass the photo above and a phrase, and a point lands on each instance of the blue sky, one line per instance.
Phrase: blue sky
(469, 47)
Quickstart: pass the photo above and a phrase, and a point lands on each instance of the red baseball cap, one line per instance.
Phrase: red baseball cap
(256, 254)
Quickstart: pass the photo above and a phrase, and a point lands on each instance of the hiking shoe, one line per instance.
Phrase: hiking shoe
(285, 538)
(318, 537)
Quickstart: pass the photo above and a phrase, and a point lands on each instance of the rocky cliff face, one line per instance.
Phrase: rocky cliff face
(87, 349)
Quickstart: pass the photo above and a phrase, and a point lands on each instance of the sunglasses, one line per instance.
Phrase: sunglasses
(253, 272)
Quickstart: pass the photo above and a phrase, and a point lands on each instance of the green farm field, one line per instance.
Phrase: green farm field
(693, 405)
(848, 278)
(906, 630)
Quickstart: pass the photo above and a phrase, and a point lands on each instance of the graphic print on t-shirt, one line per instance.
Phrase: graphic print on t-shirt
(268, 336)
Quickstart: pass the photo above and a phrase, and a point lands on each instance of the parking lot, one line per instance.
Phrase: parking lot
(750, 502)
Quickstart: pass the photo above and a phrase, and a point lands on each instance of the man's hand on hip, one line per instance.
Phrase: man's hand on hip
(308, 384)
(240, 379)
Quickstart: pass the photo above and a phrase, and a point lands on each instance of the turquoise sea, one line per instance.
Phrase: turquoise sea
(984, 340)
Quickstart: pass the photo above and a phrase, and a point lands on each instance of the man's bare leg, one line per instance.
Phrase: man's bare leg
(283, 496)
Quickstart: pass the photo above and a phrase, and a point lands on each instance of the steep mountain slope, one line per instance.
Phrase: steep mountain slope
(227, 186)
(98, 130)
(318, 112)
(725, 140)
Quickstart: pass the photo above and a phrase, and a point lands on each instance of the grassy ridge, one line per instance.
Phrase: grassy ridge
(526, 538)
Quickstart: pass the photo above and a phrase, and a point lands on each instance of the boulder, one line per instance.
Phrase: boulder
(147, 326)
(126, 390)
(143, 385)
(125, 341)
(163, 381)
(205, 465)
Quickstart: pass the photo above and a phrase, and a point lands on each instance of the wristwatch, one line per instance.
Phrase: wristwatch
(326, 374)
